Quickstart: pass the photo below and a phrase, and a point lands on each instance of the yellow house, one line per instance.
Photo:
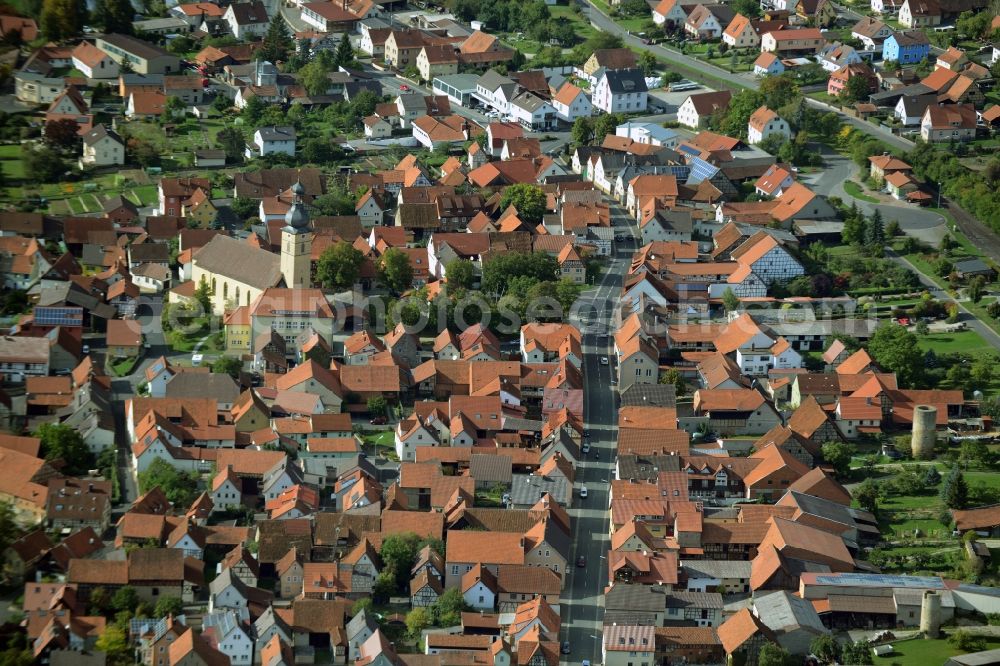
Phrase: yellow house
(291, 312)
(436, 61)
(237, 323)
(200, 210)
(124, 338)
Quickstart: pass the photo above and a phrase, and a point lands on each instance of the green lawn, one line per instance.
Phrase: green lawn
(383, 438)
(124, 367)
(146, 194)
(960, 341)
(921, 652)
(857, 192)
(10, 161)
(581, 25)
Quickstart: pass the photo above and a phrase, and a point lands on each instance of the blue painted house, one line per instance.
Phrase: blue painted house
(906, 47)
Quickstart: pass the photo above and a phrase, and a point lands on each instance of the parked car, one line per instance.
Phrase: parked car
(581, 562)
(583, 492)
(404, 88)
(586, 446)
(604, 360)
(565, 647)
(379, 420)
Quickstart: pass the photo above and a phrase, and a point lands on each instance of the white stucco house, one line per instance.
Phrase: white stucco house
(272, 140)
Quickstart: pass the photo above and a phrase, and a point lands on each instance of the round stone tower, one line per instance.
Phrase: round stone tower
(930, 614)
(924, 431)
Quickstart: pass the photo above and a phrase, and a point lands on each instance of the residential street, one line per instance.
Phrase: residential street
(583, 609)
(925, 225)
(603, 22)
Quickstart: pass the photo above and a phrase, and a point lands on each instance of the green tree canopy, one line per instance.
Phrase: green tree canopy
(231, 140)
(228, 365)
(62, 19)
(168, 606)
(528, 199)
(838, 455)
(395, 271)
(113, 643)
(730, 300)
(955, 490)
(582, 131)
(61, 442)
(181, 488)
(867, 494)
(447, 610)
(417, 620)
(115, 16)
(345, 54)
(277, 41)
(895, 349)
(772, 654)
(741, 107)
(501, 273)
(856, 90)
(460, 273)
(339, 266)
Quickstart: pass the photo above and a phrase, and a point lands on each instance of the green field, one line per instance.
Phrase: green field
(960, 341)
(921, 652)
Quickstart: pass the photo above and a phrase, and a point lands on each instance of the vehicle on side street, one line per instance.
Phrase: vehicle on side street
(581, 561)
(604, 360)
(583, 492)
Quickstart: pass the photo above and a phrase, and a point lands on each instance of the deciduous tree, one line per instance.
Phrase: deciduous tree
(339, 266)
(460, 273)
(62, 19)
(528, 199)
(395, 271)
(60, 442)
(838, 456)
(896, 349)
(116, 16)
(62, 133)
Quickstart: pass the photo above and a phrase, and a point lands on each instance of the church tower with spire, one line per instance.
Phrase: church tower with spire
(296, 243)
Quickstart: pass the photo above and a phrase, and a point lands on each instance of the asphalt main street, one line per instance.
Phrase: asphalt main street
(583, 603)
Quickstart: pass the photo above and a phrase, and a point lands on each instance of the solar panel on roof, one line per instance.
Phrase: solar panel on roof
(52, 315)
(881, 580)
(700, 171)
